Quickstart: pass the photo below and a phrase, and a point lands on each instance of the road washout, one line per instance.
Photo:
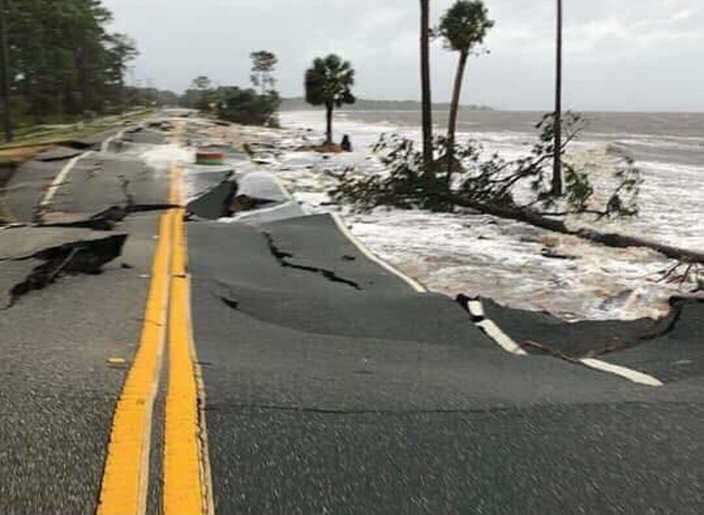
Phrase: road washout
(52, 229)
(537, 332)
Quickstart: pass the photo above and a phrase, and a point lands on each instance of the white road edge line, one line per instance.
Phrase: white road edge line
(626, 373)
(493, 331)
(60, 178)
(343, 228)
(105, 146)
(476, 308)
(505, 341)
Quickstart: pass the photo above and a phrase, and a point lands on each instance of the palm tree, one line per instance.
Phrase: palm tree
(328, 82)
(427, 122)
(557, 159)
(463, 28)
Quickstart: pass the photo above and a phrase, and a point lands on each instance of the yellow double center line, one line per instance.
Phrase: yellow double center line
(186, 476)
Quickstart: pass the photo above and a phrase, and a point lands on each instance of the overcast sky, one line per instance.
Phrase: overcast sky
(619, 54)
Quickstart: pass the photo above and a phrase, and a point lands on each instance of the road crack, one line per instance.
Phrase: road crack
(284, 259)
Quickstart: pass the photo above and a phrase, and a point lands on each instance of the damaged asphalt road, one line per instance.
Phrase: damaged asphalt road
(323, 397)
(331, 383)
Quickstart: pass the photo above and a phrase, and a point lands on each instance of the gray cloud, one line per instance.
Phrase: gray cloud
(620, 54)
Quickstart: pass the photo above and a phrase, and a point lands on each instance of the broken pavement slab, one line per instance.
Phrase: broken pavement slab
(256, 197)
(96, 184)
(669, 349)
(58, 153)
(32, 258)
(213, 203)
(197, 181)
(97, 190)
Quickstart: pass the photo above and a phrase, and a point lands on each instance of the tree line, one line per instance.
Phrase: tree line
(61, 60)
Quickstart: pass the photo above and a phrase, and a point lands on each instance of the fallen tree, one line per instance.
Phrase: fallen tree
(608, 239)
(515, 190)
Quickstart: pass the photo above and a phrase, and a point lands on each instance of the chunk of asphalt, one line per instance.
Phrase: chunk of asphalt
(214, 203)
(200, 179)
(271, 213)
(34, 258)
(262, 186)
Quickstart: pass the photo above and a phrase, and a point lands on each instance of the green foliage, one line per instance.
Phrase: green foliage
(521, 184)
(247, 107)
(201, 83)
(329, 82)
(200, 95)
(63, 59)
(263, 66)
(405, 186)
(465, 25)
(148, 97)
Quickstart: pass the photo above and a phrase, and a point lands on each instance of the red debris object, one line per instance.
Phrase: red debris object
(209, 157)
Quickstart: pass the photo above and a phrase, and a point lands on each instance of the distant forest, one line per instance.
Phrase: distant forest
(63, 62)
(299, 104)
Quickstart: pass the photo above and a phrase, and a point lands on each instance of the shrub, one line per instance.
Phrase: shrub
(247, 107)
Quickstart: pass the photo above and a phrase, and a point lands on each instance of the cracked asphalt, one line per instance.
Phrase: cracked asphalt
(329, 384)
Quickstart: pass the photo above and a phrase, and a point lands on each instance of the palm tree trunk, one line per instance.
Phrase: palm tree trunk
(557, 158)
(328, 117)
(454, 109)
(427, 122)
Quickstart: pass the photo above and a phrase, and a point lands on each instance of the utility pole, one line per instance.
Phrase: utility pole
(5, 74)
(557, 159)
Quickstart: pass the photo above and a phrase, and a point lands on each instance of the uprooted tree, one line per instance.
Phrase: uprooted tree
(517, 189)
(521, 185)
